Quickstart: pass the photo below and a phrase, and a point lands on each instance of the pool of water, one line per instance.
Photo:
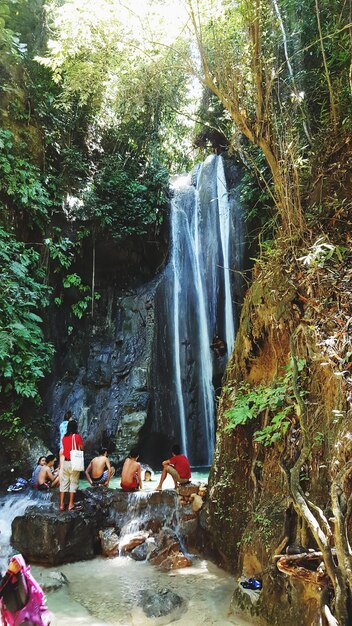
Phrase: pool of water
(103, 592)
(199, 476)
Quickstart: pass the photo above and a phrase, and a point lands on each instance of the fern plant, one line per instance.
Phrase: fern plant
(277, 401)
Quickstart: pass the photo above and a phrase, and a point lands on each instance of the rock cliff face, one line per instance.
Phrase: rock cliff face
(105, 379)
(117, 373)
(249, 510)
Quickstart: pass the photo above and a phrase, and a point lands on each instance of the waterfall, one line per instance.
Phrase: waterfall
(12, 506)
(225, 232)
(144, 507)
(194, 303)
(176, 331)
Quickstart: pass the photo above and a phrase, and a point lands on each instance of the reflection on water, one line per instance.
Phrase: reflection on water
(103, 593)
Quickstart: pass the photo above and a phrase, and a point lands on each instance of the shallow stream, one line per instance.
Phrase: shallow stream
(104, 592)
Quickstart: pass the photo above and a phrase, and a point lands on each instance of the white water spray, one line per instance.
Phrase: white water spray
(206, 366)
(225, 232)
(12, 506)
(176, 331)
(194, 305)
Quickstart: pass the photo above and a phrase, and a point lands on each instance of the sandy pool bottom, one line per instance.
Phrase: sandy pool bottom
(103, 592)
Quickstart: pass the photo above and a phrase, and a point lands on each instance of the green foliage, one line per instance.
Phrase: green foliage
(22, 193)
(80, 307)
(277, 401)
(11, 424)
(255, 190)
(123, 69)
(123, 199)
(61, 251)
(24, 355)
(214, 128)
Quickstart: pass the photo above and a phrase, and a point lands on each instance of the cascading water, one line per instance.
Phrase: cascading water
(225, 232)
(138, 516)
(194, 304)
(12, 506)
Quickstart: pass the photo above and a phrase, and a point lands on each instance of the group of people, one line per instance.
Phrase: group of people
(177, 466)
(64, 476)
(99, 471)
(44, 474)
(21, 597)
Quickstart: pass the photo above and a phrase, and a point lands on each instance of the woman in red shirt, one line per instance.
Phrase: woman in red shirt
(68, 477)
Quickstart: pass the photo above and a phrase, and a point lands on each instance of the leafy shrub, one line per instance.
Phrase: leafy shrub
(124, 199)
(22, 194)
(24, 355)
(277, 400)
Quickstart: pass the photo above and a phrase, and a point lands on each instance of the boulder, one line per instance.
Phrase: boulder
(50, 537)
(197, 502)
(130, 542)
(157, 607)
(168, 553)
(187, 490)
(176, 560)
(44, 535)
(190, 531)
(140, 553)
(202, 491)
(109, 542)
(49, 581)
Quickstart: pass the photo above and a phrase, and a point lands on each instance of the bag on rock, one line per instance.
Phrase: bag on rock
(77, 457)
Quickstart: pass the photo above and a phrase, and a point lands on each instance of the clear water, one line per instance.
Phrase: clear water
(199, 476)
(103, 593)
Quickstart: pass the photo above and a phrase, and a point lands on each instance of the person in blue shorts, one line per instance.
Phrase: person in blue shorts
(99, 470)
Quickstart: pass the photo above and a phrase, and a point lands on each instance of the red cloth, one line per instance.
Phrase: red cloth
(68, 445)
(181, 465)
(130, 486)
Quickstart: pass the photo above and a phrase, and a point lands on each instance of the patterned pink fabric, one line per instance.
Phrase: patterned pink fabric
(35, 611)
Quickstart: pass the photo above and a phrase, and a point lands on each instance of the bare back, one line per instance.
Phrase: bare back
(98, 465)
(45, 475)
(130, 468)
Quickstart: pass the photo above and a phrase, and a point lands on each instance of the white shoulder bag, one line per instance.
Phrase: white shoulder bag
(77, 457)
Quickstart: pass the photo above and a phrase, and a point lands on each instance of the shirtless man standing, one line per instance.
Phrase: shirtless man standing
(131, 472)
(46, 477)
(99, 470)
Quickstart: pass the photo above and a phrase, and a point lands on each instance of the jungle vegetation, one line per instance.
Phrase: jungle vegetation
(99, 103)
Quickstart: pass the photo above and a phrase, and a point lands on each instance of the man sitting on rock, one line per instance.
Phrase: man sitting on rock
(47, 477)
(131, 479)
(178, 467)
(99, 470)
